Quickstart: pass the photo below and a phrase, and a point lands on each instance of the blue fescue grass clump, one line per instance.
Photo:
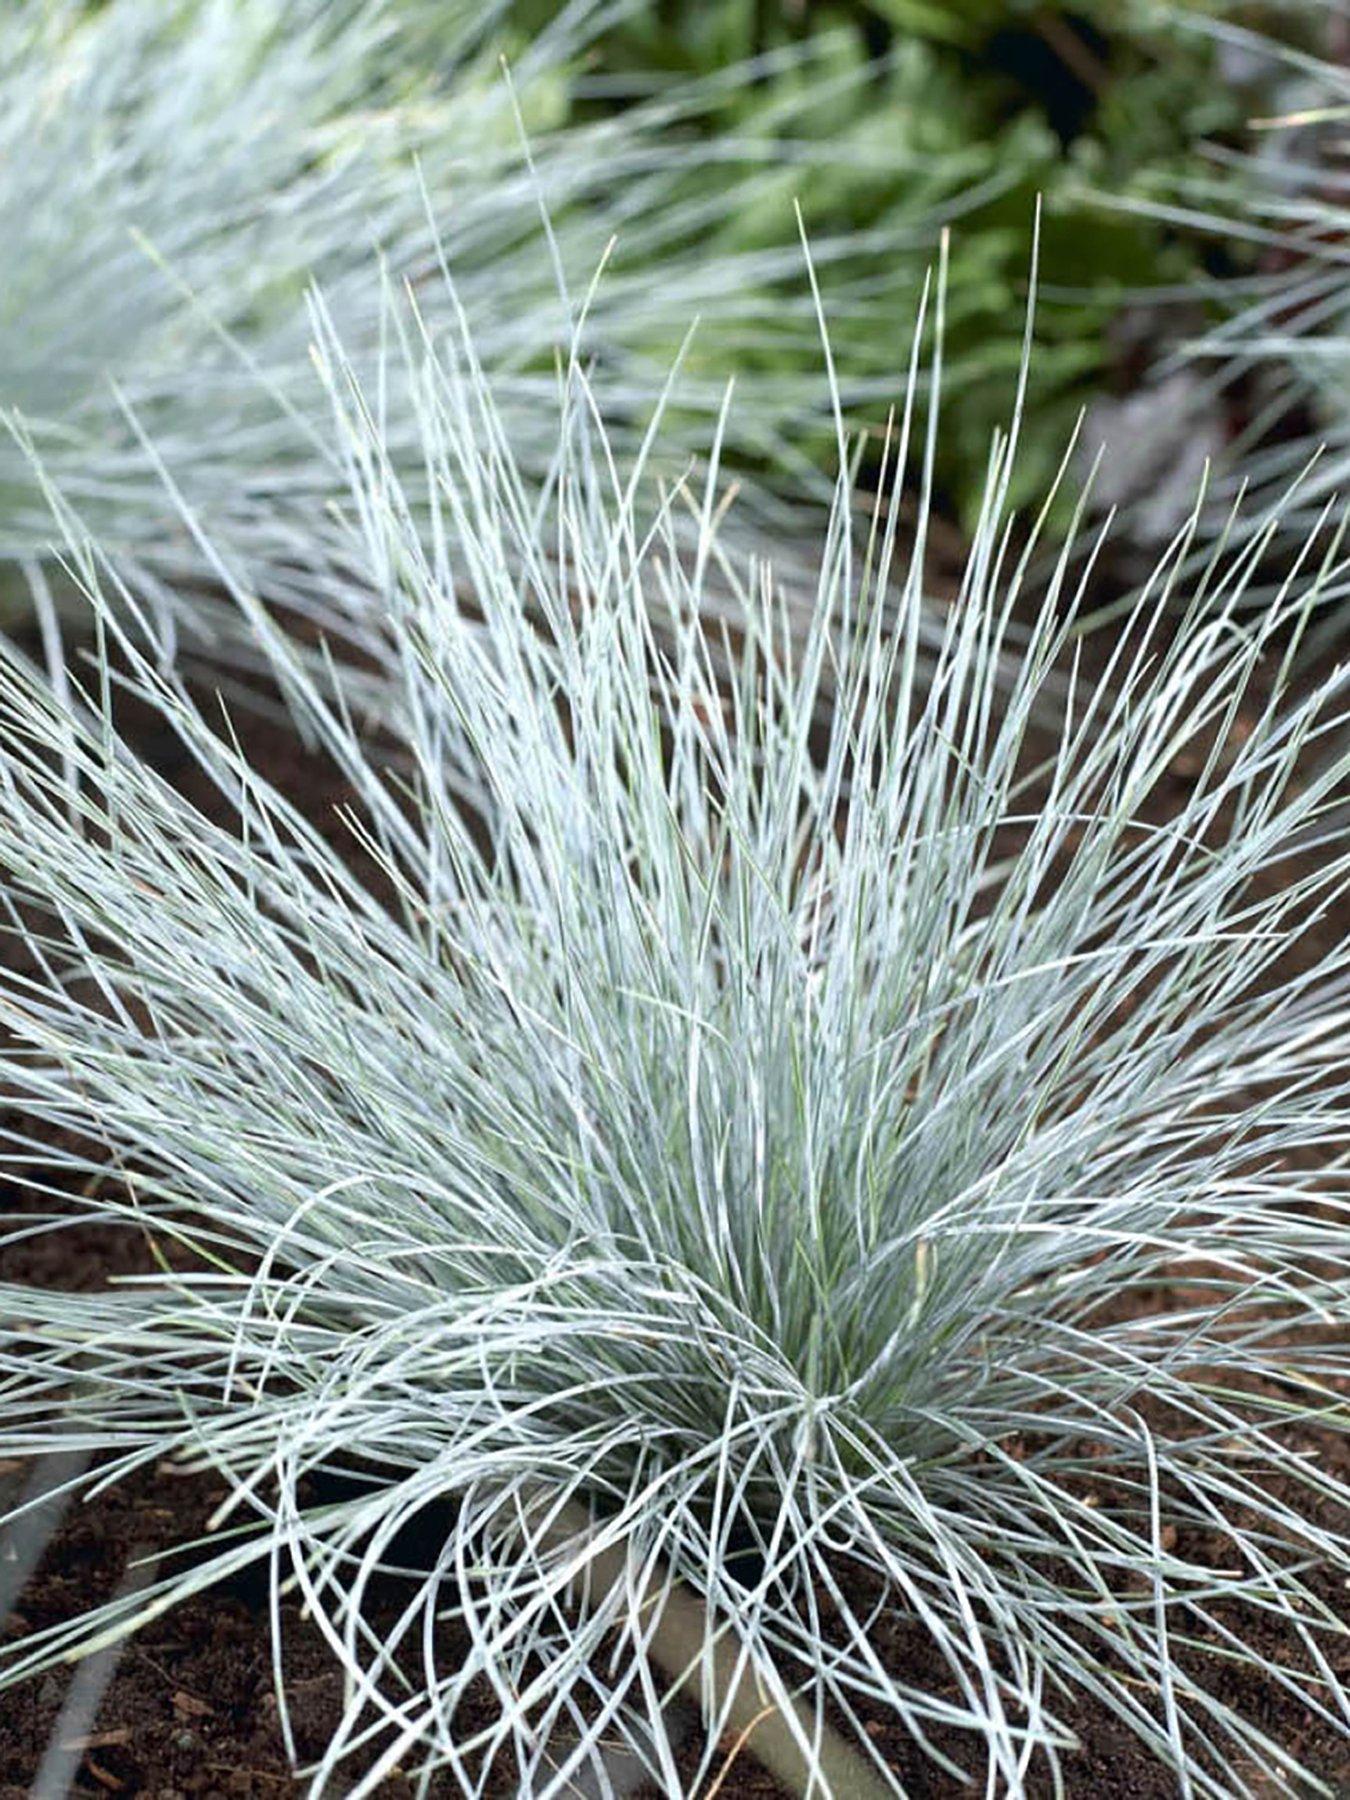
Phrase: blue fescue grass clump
(850, 1132)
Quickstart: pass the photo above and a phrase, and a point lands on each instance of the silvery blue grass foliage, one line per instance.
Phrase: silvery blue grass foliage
(1284, 198)
(896, 1149)
(174, 172)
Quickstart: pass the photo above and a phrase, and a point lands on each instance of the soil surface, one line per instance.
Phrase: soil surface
(191, 1707)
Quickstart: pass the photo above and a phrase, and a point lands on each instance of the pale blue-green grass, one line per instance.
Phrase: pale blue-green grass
(1283, 200)
(848, 1143)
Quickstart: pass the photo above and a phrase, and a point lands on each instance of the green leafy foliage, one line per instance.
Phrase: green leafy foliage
(1035, 101)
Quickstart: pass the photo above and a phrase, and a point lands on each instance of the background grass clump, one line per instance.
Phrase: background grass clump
(178, 173)
(1285, 329)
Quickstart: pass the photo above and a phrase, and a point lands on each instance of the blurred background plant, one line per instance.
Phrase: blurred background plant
(1282, 344)
(173, 173)
(1247, 383)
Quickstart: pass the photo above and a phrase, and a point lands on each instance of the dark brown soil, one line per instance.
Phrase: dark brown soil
(191, 1708)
